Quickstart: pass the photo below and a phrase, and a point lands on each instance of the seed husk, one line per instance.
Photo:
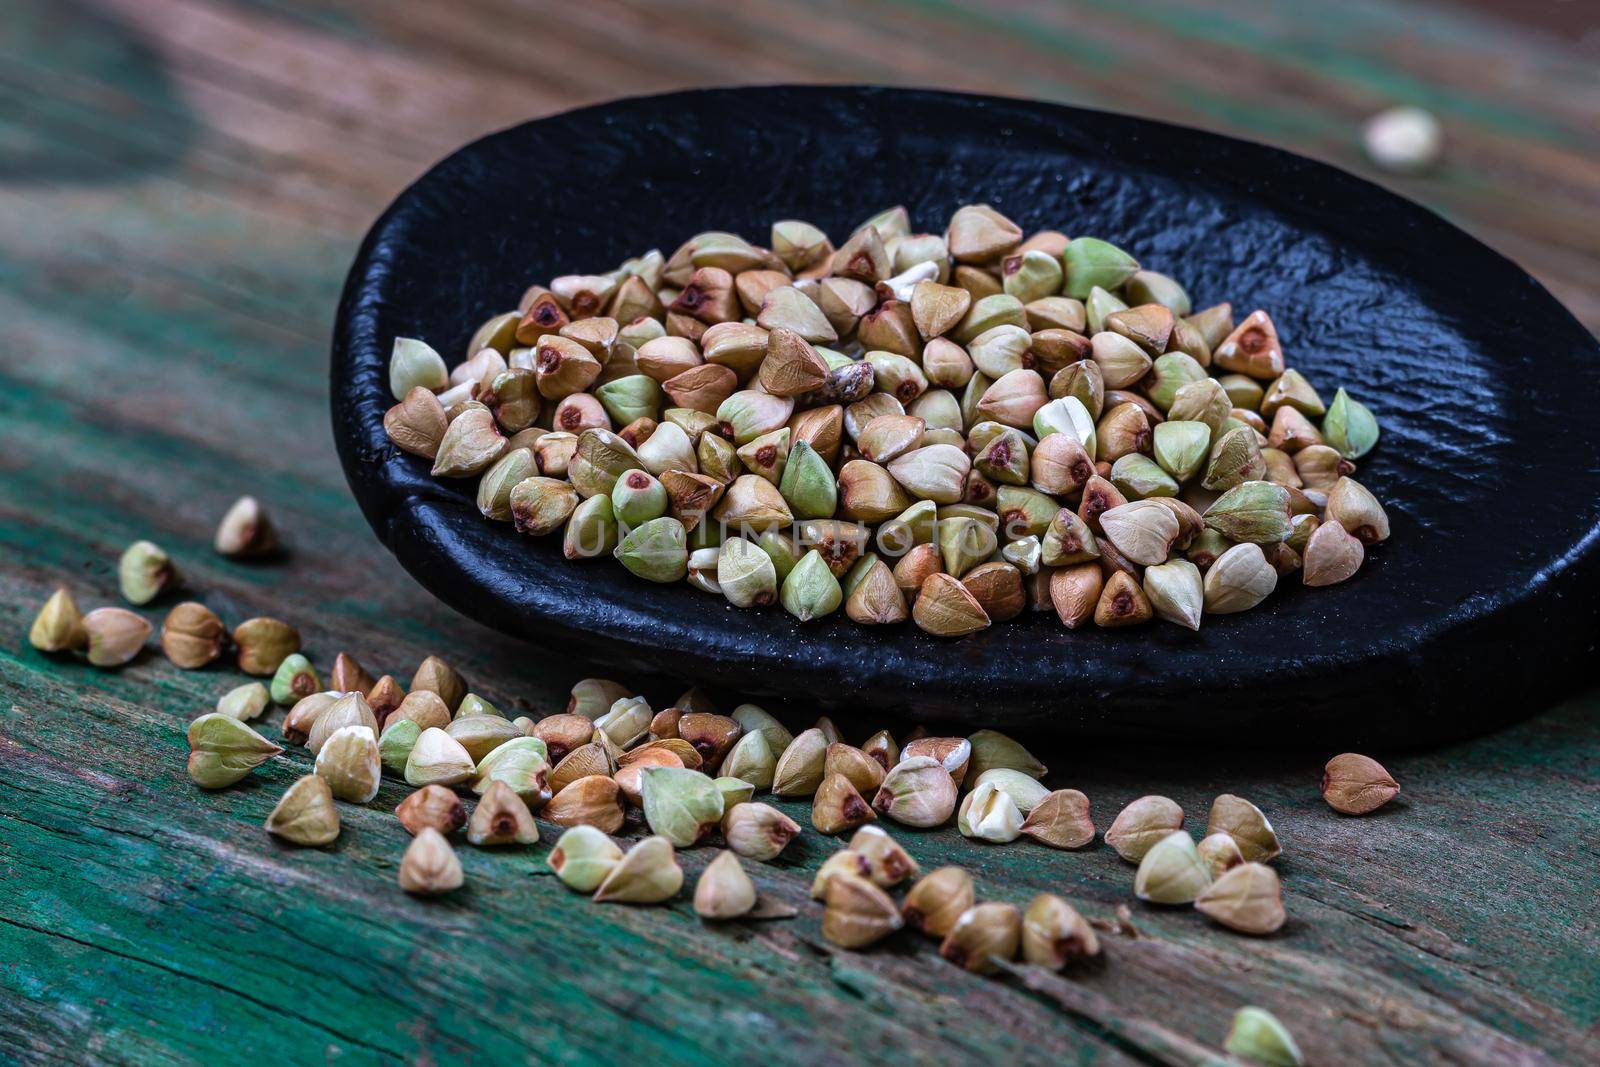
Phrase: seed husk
(436, 676)
(192, 636)
(501, 818)
(888, 863)
(964, 543)
(758, 831)
(712, 736)
(58, 627)
(858, 913)
(786, 307)
(583, 857)
(593, 800)
(791, 367)
(1176, 592)
(1259, 1038)
(946, 608)
(264, 643)
(1247, 898)
(876, 599)
(750, 760)
(1141, 824)
(1090, 263)
(860, 770)
(983, 934)
(1235, 458)
(498, 482)
(1220, 853)
(145, 571)
(735, 791)
(347, 709)
(1354, 784)
(954, 754)
(436, 758)
(680, 805)
(837, 806)
(349, 676)
(399, 737)
(1075, 592)
(1240, 579)
(1252, 349)
(937, 309)
(429, 866)
(630, 778)
(937, 900)
(1349, 426)
(1354, 507)
(302, 718)
(1252, 511)
(647, 874)
(432, 806)
(349, 760)
(1244, 822)
(244, 702)
(992, 749)
(246, 532)
(114, 636)
(1143, 531)
(1172, 872)
(522, 764)
(997, 587)
(807, 484)
(305, 814)
(1061, 820)
(917, 791)
(423, 707)
(223, 750)
(724, 890)
(1054, 934)
(385, 696)
(800, 769)
(811, 591)
(294, 680)
(980, 234)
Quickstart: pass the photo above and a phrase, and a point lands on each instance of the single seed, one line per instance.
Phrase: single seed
(1354, 784)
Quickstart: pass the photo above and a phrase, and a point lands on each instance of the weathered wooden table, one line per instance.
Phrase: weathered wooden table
(182, 183)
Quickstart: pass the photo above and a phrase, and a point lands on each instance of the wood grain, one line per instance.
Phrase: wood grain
(182, 185)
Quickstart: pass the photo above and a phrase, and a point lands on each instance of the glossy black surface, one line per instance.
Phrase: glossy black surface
(1480, 608)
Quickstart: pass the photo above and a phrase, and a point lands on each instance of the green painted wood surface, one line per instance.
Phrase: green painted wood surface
(182, 183)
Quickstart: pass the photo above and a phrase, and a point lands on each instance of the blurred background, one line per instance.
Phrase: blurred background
(183, 184)
(304, 117)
